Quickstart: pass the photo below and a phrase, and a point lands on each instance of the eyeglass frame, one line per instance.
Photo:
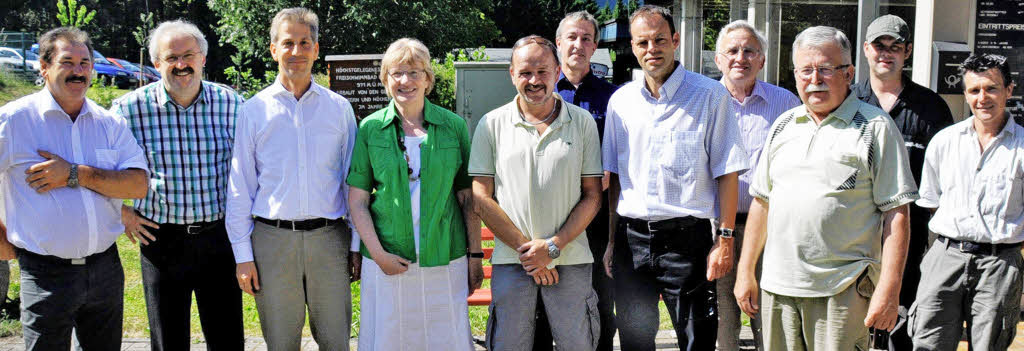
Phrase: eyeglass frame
(797, 71)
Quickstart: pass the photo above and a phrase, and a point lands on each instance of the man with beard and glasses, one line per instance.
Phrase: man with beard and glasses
(674, 151)
(287, 196)
(831, 190)
(757, 104)
(186, 128)
(536, 167)
(919, 113)
(65, 165)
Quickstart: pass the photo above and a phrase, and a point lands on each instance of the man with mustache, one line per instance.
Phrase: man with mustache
(973, 181)
(186, 127)
(757, 104)
(674, 152)
(536, 168)
(919, 113)
(832, 188)
(287, 196)
(65, 165)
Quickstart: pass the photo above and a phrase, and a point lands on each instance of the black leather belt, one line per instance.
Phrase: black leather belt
(194, 228)
(306, 225)
(978, 248)
(112, 250)
(667, 224)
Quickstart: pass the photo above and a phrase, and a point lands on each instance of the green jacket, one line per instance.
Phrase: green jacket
(379, 167)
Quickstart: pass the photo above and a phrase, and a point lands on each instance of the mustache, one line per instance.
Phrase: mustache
(814, 88)
(188, 70)
(75, 79)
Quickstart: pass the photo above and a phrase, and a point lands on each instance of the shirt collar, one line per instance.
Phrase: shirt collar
(516, 117)
(391, 114)
(758, 91)
(672, 84)
(278, 88)
(46, 103)
(163, 97)
(1009, 127)
(564, 83)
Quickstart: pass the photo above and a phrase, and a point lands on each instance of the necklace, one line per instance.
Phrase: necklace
(550, 116)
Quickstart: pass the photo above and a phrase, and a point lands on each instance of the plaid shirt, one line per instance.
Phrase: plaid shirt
(188, 149)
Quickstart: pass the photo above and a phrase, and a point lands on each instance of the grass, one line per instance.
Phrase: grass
(13, 87)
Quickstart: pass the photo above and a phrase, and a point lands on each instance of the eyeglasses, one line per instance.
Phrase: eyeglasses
(412, 74)
(172, 59)
(747, 52)
(825, 71)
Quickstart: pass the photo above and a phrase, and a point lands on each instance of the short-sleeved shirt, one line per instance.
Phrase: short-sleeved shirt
(978, 195)
(537, 178)
(592, 95)
(380, 167)
(827, 187)
(188, 149)
(668, 151)
(63, 222)
(755, 115)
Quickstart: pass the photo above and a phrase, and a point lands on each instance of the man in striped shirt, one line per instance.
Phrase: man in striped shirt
(740, 57)
(186, 128)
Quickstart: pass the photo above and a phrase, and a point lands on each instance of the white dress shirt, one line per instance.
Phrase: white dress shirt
(63, 222)
(669, 151)
(290, 161)
(978, 195)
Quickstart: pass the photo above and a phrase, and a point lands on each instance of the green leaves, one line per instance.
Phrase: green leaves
(72, 15)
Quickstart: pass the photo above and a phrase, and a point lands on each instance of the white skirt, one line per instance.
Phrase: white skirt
(421, 309)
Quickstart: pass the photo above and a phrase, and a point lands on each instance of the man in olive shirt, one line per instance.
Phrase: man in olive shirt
(536, 164)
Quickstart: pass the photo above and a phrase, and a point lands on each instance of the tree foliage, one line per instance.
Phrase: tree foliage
(519, 18)
(69, 14)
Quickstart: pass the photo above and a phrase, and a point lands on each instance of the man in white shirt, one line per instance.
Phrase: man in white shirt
(973, 180)
(65, 165)
(293, 141)
(674, 151)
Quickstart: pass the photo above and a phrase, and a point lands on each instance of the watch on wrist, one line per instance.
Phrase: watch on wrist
(475, 255)
(73, 176)
(725, 233)
(553, 250)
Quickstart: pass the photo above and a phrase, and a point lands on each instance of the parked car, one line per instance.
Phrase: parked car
(17, 59)
(152, 70)
(137, 72)
(111, 74)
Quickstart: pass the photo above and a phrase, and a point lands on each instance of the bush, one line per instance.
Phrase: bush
(103, 94)
(444, 76)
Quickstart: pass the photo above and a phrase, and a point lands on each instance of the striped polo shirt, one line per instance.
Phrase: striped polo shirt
(188, 149)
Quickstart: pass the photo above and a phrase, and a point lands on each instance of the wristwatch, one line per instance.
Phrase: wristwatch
(73, 176)
(725, 233)
(475, 254)
(553, 250)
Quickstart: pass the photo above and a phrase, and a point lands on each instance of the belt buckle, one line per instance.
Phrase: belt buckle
(650, 230)
(293, 227)
(961, 245)
(78, 261)
(193, 229)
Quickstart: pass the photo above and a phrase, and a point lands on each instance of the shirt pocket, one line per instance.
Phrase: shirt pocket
(681, 153)
(1002, 202)
(383, 161)
(106, 159)
(842, 170)
(329, 143)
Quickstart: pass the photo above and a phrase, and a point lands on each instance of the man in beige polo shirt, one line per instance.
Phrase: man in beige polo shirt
(831, 191)
(536, 167)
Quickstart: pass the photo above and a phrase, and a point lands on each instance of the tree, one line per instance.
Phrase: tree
(72, 15)
(519, 18)
(141, 32)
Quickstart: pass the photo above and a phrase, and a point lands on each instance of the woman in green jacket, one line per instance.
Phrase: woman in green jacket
(409, 199)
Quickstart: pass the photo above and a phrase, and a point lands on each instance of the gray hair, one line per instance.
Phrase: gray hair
(741, 25)
(817, 37)
(573, 17)
(299, 15)
(175, 28)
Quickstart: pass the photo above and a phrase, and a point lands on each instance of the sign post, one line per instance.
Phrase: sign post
(357, 78)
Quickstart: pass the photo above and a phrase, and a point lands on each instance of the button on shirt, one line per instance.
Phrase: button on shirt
(537, 178)
(188, 149)
(592, 95)
(978, 195)
(668, 151)
(64, 222)
(755, 115)
(827, 186)
(290, 161)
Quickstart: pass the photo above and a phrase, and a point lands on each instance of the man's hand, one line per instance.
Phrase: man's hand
(476, 274)
(607, 260)
(48, 175)
(248, 278)
(720, 259)
(6, 248)
(544, 276)
(883, 312)
(534, 254)
(135, 226)
(355, 266)
(390, 263)
(747, 293)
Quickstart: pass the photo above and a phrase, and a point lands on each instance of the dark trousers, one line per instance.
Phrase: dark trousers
(597, 236)
(666, 259)
(179, 263)
(899, 338)
(58, 295)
